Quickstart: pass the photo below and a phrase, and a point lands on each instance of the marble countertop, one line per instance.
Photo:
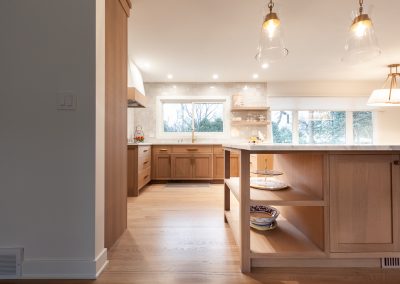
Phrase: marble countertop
(275, 147)
(175, 143)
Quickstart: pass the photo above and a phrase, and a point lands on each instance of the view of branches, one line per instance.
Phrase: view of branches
(205, 117)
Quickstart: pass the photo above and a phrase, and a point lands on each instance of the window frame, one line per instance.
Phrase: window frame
(348, 131)
(191, 99)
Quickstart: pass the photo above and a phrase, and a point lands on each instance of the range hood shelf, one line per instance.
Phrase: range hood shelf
(136, 99)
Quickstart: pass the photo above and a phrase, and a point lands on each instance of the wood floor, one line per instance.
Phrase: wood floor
(176, 234)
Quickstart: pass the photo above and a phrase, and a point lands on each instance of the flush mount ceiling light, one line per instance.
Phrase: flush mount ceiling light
(271, 47)
(215, 76)
(362, 44)
(170, 76)
(389, 95)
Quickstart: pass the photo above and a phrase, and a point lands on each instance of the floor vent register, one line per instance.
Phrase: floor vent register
(10, 263)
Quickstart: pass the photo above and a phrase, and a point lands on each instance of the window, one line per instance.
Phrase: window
(206, 117)
(362, 127)
(282, 124)
(322, 127)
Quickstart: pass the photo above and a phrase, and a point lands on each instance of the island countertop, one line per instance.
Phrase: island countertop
(306, 148)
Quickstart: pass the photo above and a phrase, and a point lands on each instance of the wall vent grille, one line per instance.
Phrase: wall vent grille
(390, 262)
(10, 263)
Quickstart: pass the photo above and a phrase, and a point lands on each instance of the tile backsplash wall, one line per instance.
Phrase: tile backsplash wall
(253, 93)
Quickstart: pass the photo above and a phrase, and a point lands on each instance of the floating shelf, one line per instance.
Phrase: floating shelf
(250, 109)
(248, 123)
(289, 196)
(284, 241)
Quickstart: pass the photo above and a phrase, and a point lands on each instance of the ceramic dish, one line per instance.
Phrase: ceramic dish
(263, 214)
(269, 227)
(267, 183)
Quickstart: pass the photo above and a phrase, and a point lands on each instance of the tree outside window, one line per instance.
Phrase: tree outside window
(204, 117)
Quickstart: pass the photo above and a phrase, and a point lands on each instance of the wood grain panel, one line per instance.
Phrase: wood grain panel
(361, 190)
(203, 166)
(115, 121)
(161, 167)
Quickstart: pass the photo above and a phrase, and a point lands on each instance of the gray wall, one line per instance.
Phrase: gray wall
(47, 164)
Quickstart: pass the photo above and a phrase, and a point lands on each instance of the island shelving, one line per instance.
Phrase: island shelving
(327, 212)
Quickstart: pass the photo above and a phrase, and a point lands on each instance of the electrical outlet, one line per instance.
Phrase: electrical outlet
(66, 101)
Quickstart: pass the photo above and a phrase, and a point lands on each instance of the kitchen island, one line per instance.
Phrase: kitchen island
(341, 208)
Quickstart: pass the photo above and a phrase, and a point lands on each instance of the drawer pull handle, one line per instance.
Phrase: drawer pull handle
(163, 150)
(146, 177)
(192, 149)
(144, 163)
(144, 151)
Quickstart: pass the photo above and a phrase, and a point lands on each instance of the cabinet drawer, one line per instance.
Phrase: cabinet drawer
(192, 149)
(161, 149)
(144, 151)
(143, 177)
(218, 150)
(144, 162)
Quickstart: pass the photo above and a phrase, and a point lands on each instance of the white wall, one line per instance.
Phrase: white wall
(47, 165)
(388, 127)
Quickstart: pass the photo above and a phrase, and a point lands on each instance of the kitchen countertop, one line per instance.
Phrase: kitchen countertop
(178, 143)
(305, 148)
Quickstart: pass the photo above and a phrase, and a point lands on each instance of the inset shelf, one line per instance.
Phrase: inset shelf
(284, 241)
(289, 196)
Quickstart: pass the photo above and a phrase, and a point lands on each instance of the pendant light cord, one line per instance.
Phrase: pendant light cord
(361, 6)
(270, 6)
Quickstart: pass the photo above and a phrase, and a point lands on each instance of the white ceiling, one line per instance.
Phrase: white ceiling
(193, 39)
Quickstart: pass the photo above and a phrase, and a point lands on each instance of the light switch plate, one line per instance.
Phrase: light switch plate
(66, 100)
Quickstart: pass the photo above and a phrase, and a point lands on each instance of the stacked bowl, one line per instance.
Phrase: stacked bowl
(263, 218)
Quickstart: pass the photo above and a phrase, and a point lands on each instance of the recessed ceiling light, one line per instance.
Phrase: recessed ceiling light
(265, 66)
(215, 76)
(170, 76)
(245, 88)
(174, 86)
(212, 87)
(255, 76)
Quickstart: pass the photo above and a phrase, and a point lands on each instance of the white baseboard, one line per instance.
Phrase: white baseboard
(55, 268)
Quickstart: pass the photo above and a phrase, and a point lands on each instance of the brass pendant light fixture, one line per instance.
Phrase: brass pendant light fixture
(271, 47)
(362, 44)
(389, 95)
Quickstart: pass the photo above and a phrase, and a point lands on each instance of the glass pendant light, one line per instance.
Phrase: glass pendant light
(389, 95)
(362, 44)
(271, 47)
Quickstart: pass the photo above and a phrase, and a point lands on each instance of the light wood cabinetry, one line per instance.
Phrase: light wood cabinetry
(190, 162)
(341, 209)
(365, 200)
(195, 162)
(139, 168)
(161, 167)
(116, 89)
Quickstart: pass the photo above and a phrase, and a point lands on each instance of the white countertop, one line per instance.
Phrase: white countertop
(185, 143)
(275, 147)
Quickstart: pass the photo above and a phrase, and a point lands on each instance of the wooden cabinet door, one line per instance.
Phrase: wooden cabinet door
(219, 166)
(364, 193)
(182, 166)
(162, 167)
(234, 165)
(202, 166)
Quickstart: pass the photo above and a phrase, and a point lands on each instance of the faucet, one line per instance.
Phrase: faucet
(193, 138)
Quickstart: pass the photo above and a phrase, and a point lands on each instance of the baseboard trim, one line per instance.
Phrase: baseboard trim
(70, 268)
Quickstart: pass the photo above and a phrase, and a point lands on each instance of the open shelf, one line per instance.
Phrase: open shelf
(289, 196)
(284, 241)
(249, 123)
(250, 109)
